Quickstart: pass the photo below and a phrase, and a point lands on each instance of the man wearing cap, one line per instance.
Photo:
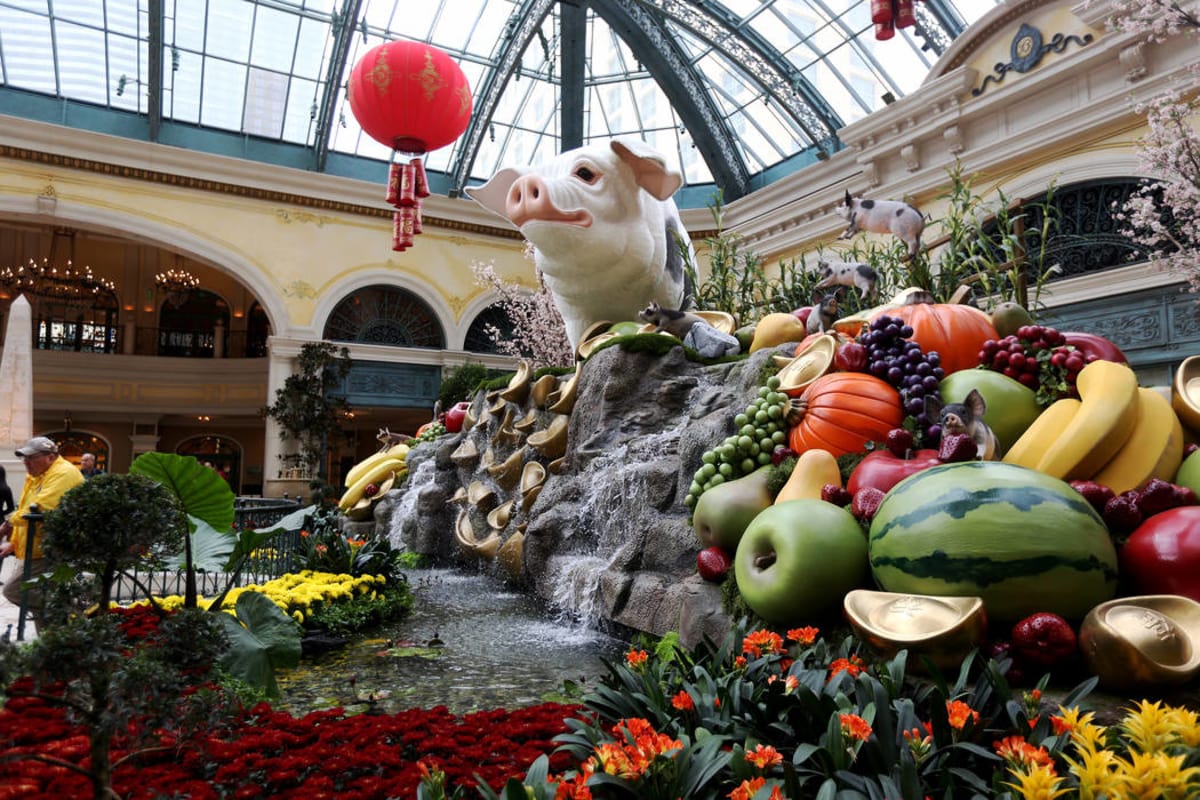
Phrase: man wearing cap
(48, 476)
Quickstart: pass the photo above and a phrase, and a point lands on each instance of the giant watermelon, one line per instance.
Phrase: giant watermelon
(1022, 540)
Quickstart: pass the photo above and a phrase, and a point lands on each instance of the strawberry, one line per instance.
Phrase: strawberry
(1094, 493)
(899, 442)
(713, 564)
(832, 493)
(781, 454)
(370, 490)
(957, 447)
(1121, 513)
(865, 503)
(1157, 495)
(1043, 640)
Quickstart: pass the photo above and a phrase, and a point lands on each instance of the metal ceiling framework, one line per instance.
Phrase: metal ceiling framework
(651, 29)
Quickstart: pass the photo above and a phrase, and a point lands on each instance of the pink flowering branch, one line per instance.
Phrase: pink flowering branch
(538, 333)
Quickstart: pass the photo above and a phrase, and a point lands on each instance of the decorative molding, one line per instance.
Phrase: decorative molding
(1026, 53)
(253, 193)
(910, 156)
(300, 289)
(287, 217)
(1133, 59)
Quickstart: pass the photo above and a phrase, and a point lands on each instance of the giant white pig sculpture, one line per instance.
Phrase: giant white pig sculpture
(604, 229)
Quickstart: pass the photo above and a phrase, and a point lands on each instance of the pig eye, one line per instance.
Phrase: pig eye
(586, 175)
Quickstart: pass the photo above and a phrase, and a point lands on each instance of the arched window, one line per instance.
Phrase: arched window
(479, 338)
(84, 325)
(219, 452)
(384, 315)
(1084, 234)
(188, 329)
(72, 444)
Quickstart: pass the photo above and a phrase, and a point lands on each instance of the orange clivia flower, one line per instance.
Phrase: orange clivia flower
(790, 684)
(739, 662)
(322, 549)
(959, 712)
(854, 665)
(855, 727)
(1017, 752)
(1061, 726)
(761, 641)
(806, 635)
(636, 658)
(764, 756)
(785, 664)
(305, 534)
(683, 701)
(749, 788)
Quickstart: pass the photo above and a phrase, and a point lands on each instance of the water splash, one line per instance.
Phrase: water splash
(577, 595)
(420, 475)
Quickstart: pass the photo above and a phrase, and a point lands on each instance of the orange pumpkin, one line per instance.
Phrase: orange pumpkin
(842, 411)
(956, 332)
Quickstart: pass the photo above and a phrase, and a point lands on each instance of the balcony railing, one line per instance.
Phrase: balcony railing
(88, 338)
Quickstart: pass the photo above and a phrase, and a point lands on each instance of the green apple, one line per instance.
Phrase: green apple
(723, 512)
(745, 336)
(797, 560)
(1189, 472)
(1011, 406)
(1007, 317)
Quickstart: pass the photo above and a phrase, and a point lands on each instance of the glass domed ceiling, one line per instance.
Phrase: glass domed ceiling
(734, 93)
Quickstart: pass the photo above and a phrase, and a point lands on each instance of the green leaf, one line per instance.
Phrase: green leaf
(262, 639)
(202, 492)
(211, 548)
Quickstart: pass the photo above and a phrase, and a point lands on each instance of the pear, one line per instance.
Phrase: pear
(1008, 316)
(776, 329)
(723, 512)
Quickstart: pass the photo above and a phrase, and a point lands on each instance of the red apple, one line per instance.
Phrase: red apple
(455, 416)
(1092, 345)
(882, 470)
(850, 357)
(1162, 556)
(802, 314)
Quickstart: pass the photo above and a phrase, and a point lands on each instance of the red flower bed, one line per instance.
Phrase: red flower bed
(269, 753)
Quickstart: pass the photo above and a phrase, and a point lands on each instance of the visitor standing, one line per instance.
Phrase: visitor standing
(48, 477)
(87, 465)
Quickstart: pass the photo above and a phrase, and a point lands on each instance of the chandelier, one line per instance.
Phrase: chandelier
(176, 283)
(53, 280)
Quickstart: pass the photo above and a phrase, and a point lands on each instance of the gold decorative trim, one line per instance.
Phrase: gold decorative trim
(221, 187)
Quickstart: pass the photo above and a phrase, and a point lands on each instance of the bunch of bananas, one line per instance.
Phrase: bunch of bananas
(1118, 434)
(373, 471)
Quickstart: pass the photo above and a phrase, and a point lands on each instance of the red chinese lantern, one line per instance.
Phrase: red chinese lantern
(413, 98)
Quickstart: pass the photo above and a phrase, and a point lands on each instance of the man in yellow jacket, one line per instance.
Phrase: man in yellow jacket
(48, 477)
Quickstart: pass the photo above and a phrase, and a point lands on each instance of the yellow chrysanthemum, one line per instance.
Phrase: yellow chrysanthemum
(1038, 782)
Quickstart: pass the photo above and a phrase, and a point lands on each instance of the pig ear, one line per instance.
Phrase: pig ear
(849, 199)
(649, 169)
(492, 194)
(975, 402)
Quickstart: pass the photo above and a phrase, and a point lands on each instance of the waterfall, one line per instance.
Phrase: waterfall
(576, 579)
(418, 476)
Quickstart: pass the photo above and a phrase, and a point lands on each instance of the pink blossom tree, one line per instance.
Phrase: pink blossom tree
(1164, 214)
(538, 332)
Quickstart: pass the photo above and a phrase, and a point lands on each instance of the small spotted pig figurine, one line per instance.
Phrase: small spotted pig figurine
(884, 216)
(847, 273)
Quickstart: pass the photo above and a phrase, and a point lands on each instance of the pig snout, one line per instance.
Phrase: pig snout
(529, 200)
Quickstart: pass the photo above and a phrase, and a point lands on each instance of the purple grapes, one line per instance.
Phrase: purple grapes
(893, 357)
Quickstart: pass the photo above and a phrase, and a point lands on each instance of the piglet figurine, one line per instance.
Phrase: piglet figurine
(847, 273)
(824, 313)
(884, 216)
(606, 233)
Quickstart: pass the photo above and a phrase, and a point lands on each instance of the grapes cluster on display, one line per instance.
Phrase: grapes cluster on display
(893, 357)
(1040, 358)
(757, 432)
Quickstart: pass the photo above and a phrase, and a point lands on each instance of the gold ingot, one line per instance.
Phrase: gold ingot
(588, 345)
(528, 422)
(464, 534)
(563, 400)
(508, 472)
(1185, 393)
(723, 321)
(511, 552)
(518, 387)
(499, 516)
(551, 442)
(482, 496)
(465, 454)
(488, 458)
(460, 495)
(595, 329)
(557, 466)
(505, 436)
(542, 389)
(1140, 642)
(941, 629)
(809, 364)
(532, 478)
(469, 419)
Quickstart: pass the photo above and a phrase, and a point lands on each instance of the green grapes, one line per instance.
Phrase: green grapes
(757, 431)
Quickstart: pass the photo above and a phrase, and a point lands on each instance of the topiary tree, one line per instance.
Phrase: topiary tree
(305, 410)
